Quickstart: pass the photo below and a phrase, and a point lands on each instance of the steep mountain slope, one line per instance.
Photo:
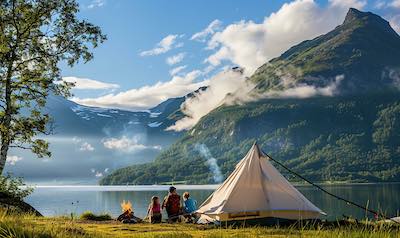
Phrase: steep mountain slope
(364, 49)
(353, 136)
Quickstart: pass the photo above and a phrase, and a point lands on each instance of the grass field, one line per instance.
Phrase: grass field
(26, 226)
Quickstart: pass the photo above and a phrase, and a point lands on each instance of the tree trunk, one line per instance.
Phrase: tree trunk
(3, 154)
(5, 135)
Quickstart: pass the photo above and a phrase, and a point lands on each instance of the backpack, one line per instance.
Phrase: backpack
(173, 204)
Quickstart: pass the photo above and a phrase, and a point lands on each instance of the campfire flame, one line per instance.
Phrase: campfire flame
(126, 206)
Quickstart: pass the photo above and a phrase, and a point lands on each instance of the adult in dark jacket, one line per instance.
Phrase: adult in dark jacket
(172, 204)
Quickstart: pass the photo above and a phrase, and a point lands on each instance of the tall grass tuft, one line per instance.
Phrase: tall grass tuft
(90, 216)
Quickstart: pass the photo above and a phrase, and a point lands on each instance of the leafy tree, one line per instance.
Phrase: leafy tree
(35, 36)
(14, 187)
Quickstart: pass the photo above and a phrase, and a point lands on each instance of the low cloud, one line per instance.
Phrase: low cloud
(203, 102)
(209, 30)
(85, 83)
(166, 44)
(13, 159)
(86, 147)
(97, 174)
(127, 145)
(250, 44)
(148, 96)
(395, 22)
(83, 145)
(175, 58)
(307, 91)
(76, 139)
(177, 70)
(395, 4)
(232, 87)
(394, 75)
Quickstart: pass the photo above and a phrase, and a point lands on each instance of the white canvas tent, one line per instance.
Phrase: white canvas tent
(256, 190)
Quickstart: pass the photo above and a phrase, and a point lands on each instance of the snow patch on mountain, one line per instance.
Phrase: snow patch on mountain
(154, 124)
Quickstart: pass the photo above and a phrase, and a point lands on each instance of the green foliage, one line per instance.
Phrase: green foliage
(35, 36)
(14, 187)
(88, 215)
(388, 125)
(350, 138)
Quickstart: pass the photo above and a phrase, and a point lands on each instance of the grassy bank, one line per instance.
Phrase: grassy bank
(27, 226)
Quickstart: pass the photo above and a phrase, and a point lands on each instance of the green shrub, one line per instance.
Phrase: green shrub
(90, 216)
(14, 187)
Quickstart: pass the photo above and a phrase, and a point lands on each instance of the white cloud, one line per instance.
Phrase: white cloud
(13, 159)
(165, 45)
(85, 83)
(86, 147)
(395, 4)
(176, 58)
(249, 44)
(97, 173)
(205, 101)
(177, 70)
(209, 30)
(147, 96)
(379, 4)
(395, 22)
(306, 91)
(76, 140)
(96, 3)
(231, 87)
(83, 146)
(127, 145)
(345, 4)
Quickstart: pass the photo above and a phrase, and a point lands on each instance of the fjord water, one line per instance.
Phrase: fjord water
(64, 200)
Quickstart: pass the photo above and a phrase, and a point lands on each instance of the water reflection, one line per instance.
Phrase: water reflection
(61, 201)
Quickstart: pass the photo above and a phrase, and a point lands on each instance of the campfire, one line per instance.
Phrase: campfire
(127, 215)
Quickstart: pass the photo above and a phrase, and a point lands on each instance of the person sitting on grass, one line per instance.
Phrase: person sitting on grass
(189, 206)
(154, 210)
(172, 204)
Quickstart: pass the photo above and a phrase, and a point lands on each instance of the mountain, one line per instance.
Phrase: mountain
(364, 49)
(89, 142)
(352, 135)
(71, 118)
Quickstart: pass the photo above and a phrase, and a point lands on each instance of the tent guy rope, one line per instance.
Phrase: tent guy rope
(329, 193)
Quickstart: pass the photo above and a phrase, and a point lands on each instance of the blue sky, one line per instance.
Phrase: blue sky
(244, 27)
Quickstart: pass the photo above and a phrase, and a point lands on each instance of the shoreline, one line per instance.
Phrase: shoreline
(154, 187)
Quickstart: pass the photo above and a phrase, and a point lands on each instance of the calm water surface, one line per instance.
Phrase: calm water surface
(64, 200)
